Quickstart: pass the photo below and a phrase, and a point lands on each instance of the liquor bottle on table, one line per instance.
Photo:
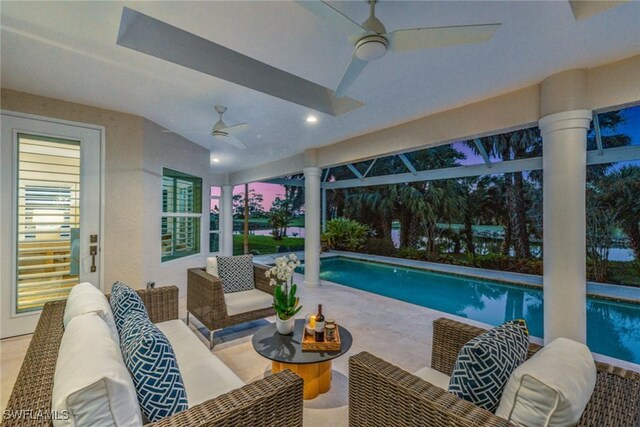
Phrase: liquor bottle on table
(319, 329)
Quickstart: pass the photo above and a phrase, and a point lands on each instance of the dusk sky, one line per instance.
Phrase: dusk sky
(631, 127)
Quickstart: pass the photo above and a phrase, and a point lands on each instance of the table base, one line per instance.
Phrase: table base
(316, 376)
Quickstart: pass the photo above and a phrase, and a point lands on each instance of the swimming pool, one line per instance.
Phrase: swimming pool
(613, 328)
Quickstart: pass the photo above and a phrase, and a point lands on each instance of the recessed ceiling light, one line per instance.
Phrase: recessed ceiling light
(312, 119)
(216, 160)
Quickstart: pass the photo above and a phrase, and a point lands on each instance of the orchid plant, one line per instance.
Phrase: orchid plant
(285, 302)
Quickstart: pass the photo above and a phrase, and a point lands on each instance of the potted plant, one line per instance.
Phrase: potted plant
(285, 302)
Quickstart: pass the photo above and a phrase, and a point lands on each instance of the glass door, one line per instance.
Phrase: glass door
(54, 193)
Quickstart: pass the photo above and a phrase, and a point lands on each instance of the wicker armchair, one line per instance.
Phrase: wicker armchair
(272, 401)
(381, 394)
(205, 300)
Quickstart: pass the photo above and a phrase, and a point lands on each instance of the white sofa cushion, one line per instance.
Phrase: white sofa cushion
(203, 374)
(91, 381)
(212, 266)
(434, 377)
(552, 388)
(245, 301)
(86, 298)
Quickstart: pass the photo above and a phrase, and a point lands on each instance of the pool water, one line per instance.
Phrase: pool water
(613, 329)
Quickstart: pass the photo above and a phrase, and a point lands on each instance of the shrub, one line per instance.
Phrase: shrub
(345, 234)
(383, 247)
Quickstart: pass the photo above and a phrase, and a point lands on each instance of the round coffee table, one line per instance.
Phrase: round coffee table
(285, 352)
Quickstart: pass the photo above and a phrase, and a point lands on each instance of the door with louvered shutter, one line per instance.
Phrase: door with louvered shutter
(50, 215)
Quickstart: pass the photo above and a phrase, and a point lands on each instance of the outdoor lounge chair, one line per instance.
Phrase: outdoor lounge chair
(206, 300)
(381, 394)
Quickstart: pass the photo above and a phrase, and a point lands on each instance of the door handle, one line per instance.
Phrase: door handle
(93, 251)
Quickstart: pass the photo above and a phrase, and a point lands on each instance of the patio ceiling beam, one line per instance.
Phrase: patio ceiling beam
(369, 168)
(596, 126)
(610, 155)
(408, 164)
(445, 173)
(483, 152)
(355, 171)
(285, 181)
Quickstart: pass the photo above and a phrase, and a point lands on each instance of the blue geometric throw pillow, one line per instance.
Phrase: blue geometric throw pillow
(152, 363)
(486, 362)
(124, 302)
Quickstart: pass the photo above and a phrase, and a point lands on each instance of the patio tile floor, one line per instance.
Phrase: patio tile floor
(397, 331)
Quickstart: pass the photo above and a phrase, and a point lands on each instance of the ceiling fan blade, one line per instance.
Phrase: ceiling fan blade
(161, 40)
(235, 129)
(350, 75)
(424, 38)
(333, 17)
(586, 9)
(233, 141)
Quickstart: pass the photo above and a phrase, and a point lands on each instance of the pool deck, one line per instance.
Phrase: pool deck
(602, 290)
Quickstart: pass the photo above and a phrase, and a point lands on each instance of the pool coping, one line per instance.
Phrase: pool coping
(605, 291)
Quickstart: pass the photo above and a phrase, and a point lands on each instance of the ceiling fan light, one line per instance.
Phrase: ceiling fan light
(371, 48)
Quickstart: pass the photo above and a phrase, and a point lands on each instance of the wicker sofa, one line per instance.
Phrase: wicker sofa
(381, 394)
(206, 300)
(272, 401)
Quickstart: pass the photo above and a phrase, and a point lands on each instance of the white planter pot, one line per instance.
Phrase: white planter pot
(285, 327)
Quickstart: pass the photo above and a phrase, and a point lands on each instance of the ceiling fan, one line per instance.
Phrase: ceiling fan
(222, 132)
(371, 40)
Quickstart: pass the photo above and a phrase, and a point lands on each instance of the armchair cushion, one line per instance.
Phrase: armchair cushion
(212, 266)
(552, 388)
(245, 301)
(236, 273)
(485, 363)
(434, 377)
(152, 362)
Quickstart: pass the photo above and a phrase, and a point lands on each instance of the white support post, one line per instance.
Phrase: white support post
(312, 226)
(564, 137)
(226, 214)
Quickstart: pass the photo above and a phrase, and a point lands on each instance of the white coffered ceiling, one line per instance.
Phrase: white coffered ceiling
(68, 50)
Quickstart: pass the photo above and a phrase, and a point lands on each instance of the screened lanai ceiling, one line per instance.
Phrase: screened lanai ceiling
(614, 137)
(68, 51)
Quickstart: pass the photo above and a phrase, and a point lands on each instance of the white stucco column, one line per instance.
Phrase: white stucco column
(564, 163)
(312, 226)
(226, 220)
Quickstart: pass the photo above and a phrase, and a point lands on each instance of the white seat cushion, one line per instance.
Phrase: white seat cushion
(91, 381)
(212, 266)
(244, 301)
(434, 377)
(552, 388)
(86, 298)
(203, 374)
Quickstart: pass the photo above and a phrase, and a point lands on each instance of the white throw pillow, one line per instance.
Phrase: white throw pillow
(212, 266)
(86, 298)
(91, 382)
(552, 388)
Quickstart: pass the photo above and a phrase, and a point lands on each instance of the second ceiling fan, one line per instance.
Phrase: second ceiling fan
(371, 40)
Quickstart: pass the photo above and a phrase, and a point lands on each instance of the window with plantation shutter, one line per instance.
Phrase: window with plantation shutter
(48, 219)
(182, 213)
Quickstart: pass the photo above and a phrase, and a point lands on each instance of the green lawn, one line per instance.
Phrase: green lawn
(266, 244)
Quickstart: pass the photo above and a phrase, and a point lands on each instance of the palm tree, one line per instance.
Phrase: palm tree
(507, 146)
